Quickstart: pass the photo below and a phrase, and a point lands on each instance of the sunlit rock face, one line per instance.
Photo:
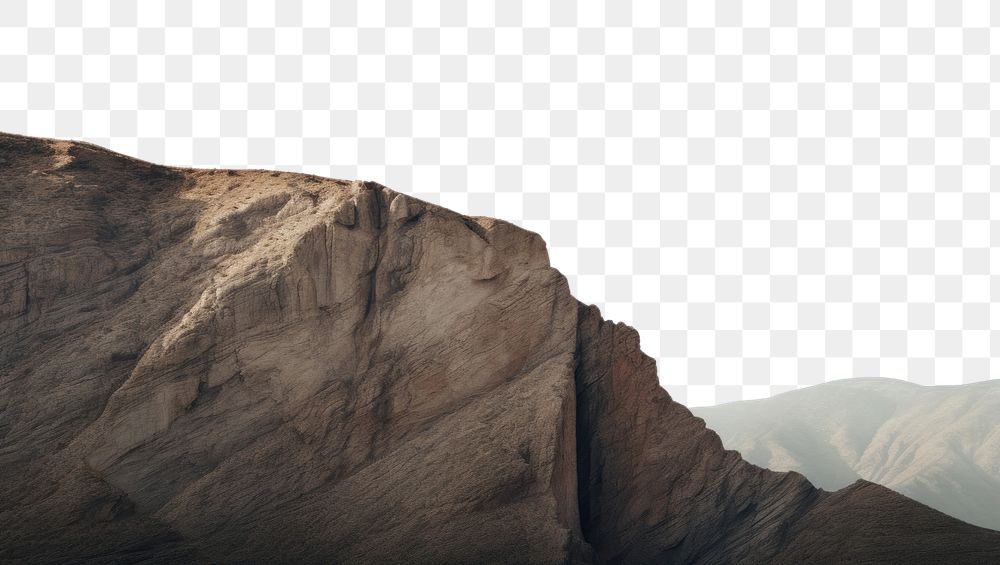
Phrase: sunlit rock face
(232, 366)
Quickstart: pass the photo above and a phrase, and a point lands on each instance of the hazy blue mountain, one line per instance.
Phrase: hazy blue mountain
(939, 445)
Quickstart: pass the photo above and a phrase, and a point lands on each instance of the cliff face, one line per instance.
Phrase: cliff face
(656, 486)
(247, 365)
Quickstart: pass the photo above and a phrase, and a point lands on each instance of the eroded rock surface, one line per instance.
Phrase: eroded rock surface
(219, 366)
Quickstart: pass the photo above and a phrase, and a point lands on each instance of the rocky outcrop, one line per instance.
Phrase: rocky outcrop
(656, 486)
(229, 366)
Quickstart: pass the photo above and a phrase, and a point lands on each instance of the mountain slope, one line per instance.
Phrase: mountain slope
(938, 445)
(233, 366)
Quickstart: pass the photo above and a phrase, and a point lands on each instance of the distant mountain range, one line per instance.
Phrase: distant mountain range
(939, 445)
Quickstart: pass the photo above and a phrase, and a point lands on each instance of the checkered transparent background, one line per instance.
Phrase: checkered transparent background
(775, 193)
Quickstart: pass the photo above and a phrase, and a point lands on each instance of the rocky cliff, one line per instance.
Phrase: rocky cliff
(220, 366)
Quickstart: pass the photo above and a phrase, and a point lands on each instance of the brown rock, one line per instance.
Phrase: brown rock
(200, 366)
(656, 486)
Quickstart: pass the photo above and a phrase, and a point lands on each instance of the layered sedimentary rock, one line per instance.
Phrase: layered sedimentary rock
(213, 366)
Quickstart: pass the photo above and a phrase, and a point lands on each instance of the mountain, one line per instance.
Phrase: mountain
(939, 445)
(253, 366)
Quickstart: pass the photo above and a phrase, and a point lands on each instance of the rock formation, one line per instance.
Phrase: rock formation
(233, 366)
(939, 445)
